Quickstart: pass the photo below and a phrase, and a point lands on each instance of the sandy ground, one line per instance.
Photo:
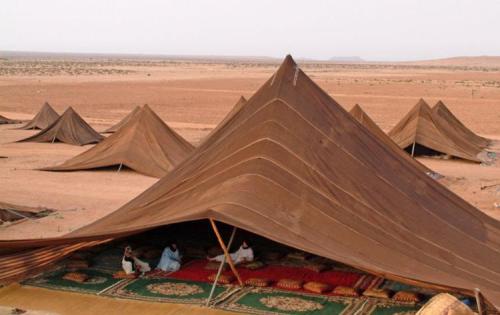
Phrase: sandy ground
(193, 97)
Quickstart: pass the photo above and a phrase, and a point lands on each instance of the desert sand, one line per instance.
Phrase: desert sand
(192, 96)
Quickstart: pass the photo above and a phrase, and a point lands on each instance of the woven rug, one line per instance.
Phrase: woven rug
(98, 282)
(168, 290)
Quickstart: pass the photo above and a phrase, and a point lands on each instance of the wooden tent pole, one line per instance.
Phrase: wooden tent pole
(219, 271)
(226, 253)
(119, 168)
(479, 302)
(413, 149)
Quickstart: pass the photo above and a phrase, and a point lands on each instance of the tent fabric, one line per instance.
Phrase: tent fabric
(362, 117)
(293, 166)
(145, 144)
(69, 128)
(44, 118)
(446, 118)
(124, 121)
(4, 120)
(420, 127)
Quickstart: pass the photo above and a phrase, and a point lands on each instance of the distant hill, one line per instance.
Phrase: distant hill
(474, 61)
(347, 59)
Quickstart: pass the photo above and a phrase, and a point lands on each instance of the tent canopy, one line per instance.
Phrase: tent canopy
(69, 128)
(4, 120)
(293, 166)
(145, 144)
(44, 118)
(122, 122)
(420, 127)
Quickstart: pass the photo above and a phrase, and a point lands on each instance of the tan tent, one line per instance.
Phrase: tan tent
(293, 166)
(362, 117)
(419, 130)
(69, 128)
(446, 118)
(145, 144)
(45, 117)
(4, 120)
(122, 122)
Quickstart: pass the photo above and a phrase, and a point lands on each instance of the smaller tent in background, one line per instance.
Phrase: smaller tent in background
(122, 122)
(447, 119)
(145, 144)
(45, 117)
(4, 120)
(69, 128)
(420, 133)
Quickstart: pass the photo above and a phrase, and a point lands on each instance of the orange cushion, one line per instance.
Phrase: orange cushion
(317, 287)
(223, 279)
(77, 264)
(316, 267)
(258, 282)
(76, 277)
(405, 296)
(377, 293)
(122, 275)
(345, 291)
(289, 284)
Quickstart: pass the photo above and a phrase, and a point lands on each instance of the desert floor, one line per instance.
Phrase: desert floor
(193, 96)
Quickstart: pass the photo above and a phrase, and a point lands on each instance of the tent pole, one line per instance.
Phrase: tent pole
(226, 253)
(479, 302)
(54, 139)
(219, 271)
(119, 168)
(413, 149)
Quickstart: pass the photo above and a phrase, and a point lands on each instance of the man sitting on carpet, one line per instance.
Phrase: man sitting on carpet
(130, 263)
(243, 254)
(170, 258)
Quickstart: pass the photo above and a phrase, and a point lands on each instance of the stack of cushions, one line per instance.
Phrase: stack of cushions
(77, 264)
(405, 296)
(214, 265)
(346, 291)
(317, 287)
(272, 256)
(258, 282)
(223, 279)
(289, 284)
(316, 267)
(122, 275)
(254, 265)
(76, 277)
(298, 256)
(377, 293)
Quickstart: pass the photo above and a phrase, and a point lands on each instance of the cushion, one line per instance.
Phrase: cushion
(405, 296)
(317, 267)
(317, 287)
(215, 251)
(298, 256)
(272, 256)
(445, 303)
(122, 275)
(378, 293)
(214, 265)
(346, 291)
(76, 277)
(290, 284)
(77, 264)
(258, 282)
(223, 279)
(253, 265)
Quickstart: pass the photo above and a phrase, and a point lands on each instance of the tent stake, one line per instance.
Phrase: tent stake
(479, 303)
(219, 271)
(119, 168)
(412, 149)
(226, 253)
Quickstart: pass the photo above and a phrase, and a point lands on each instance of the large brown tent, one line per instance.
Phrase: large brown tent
(420, 130)
(122, 122)
(145, 144)
(446, 118)
(4, 120)
(69, 128)
(44, 118)
(362, 117)
(293, 166)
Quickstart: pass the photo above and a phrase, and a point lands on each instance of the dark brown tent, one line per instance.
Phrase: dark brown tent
(419, 130)
(446, 118)
(122, 122)
(4, 121)
(293, 166)
(45, 117)
(145, 144)
(362, 117)
(69, 128)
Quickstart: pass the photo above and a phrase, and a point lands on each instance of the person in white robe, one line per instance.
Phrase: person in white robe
(131, 264)
(243, 254)
(170, 259)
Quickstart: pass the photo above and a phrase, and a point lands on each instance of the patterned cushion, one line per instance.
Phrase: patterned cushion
(298, 256)
(253, 265)
(122, 275)
(290, 284)
(346, 291)
(76, 277)
(258, 282)
(378, 293)
(317, 267)
(405, 296)
(214, 265)
(223, 279)
(317, 287)
(77, 264)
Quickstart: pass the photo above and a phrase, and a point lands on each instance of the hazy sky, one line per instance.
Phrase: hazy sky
(372, 29)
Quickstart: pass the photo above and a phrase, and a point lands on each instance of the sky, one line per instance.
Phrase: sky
(372, 29)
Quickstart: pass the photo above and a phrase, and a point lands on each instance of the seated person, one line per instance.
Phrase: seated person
(243, 254)
(170, 258)
(131, 264)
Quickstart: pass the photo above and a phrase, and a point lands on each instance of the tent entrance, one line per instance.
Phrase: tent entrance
(420, 150)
